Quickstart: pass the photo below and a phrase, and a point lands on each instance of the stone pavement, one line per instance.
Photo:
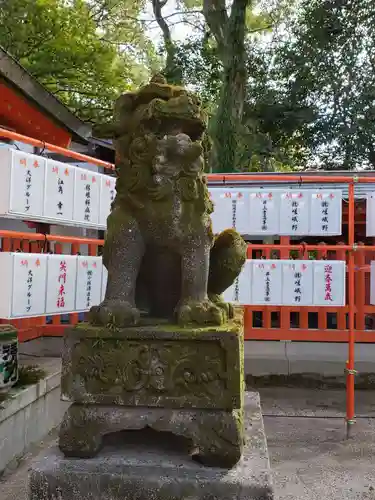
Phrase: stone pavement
(14, 482)
(311, 460)
(310, 457)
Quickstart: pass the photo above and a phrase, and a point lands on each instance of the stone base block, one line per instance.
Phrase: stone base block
(187, 381)
(157, 469)
(216, 437)
(162, 366)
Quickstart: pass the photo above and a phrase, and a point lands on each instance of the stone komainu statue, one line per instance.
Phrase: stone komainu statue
(160, 251)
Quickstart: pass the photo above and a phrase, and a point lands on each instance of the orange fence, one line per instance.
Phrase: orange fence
(318, 324)
(13, 241)
(345, 324)
(8, 134)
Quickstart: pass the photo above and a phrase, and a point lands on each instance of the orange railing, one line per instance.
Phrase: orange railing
(7, 134)
(14, 241)
(261, 323)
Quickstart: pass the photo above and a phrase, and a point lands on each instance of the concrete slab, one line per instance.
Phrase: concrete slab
(312, 460)
(43, 346)
(310, 357)
(264, 358)
(157, 469)
(325, 358)
(14, 480)
(294, 402)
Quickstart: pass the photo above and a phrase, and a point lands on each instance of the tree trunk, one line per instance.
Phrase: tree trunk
(172, 70)
(229, 33)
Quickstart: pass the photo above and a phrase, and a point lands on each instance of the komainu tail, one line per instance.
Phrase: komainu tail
(228, 255)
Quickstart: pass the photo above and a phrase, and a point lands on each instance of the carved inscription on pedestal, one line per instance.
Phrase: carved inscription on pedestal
(156, 370)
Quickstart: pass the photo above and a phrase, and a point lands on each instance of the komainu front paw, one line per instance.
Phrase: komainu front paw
(115, 313)
(226, 306)
(202, 312)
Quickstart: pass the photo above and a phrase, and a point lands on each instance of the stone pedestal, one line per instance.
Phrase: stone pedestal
(157, 468)
(189, 382)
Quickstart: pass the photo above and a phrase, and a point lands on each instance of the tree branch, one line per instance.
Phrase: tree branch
(216, 17)
(75, 91)
(172, 71)
(168, 16)
(185, 21)
(157, 6)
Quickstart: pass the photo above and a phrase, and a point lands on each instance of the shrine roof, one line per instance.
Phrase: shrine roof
(15, 76)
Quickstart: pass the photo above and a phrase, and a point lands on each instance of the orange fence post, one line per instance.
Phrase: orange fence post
(303, 312)
(17, 245)
(93, 250)
(360, 288)
(284, 311)
(7, 245)
(341, 314)
(248, 313)
(25, 246)
(350, 371)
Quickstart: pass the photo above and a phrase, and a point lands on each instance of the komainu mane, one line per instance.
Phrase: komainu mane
(161, 254)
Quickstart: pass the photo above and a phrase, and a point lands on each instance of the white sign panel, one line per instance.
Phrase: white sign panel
(325, 213)
(266, 286)
(29, 284)
(6, 273)
(230, 209)
(107, 196)
(297, 283)
(61, 283)
(59, 190)
(89, 283)
(240, 291)
(104, 282)
(27, 184)
(86, 196)
(329, 283)
(370, 214)
(264, 212)
(294, 213)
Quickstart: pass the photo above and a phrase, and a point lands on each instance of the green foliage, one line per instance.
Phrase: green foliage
(30, 374)
(276, 101)
(309, 94)
(201, 67)
(27, 375)
(83, 52)
(326, 66)
(270, 138)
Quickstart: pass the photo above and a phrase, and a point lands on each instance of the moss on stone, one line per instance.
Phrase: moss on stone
(189, 329)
